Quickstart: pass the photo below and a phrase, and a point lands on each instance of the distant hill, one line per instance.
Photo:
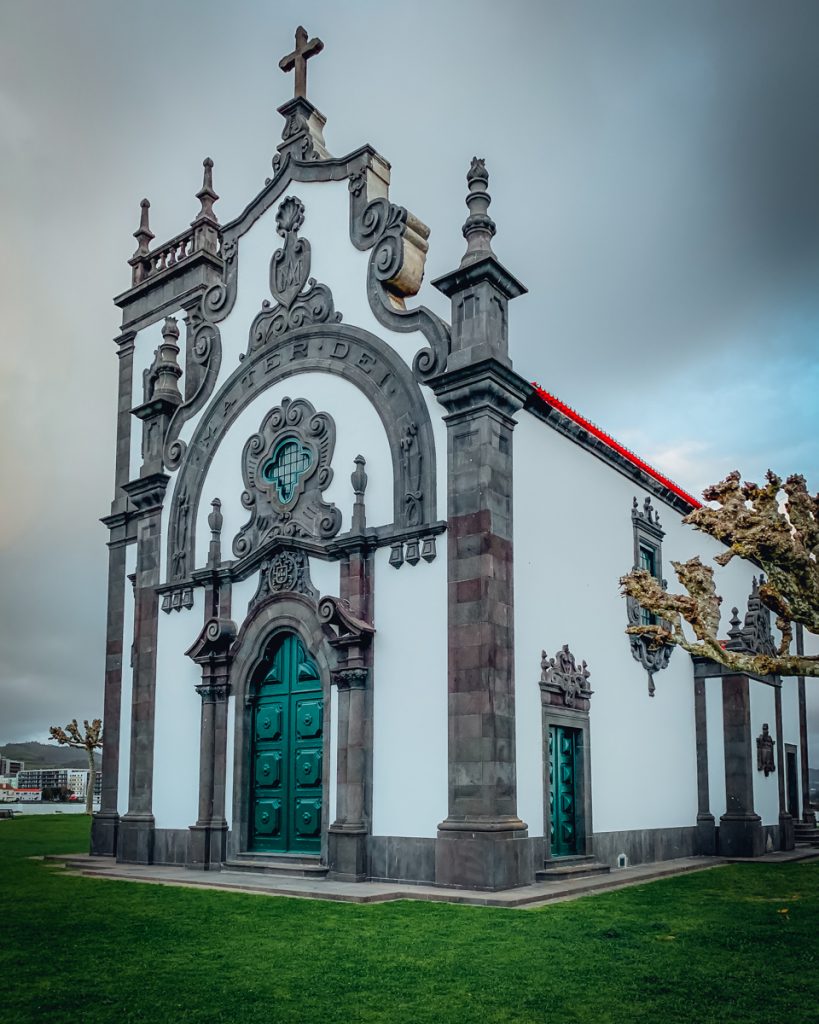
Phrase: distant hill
(47, 755)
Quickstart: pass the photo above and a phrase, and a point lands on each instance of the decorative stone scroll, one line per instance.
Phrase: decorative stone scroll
(286, 468)
(765, 751)
(560, 677)
(396, 269)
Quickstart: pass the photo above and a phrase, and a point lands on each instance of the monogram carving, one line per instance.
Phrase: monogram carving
(301, 301)
(286, 467)
(285, 572)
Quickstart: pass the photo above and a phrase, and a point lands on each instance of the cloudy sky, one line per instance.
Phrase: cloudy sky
(655, 176)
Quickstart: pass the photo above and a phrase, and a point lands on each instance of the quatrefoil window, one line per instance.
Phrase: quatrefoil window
(290, 461)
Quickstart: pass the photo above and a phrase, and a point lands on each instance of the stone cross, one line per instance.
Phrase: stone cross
(298, 60)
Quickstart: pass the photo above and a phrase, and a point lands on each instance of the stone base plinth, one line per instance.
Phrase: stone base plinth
(104, 828)
(347, 854)
(207, 847)
(135, 839)
(706, 835)
(483, 859)
(787, 836)
(741, 835)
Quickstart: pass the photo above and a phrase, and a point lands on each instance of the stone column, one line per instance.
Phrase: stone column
(740, 828)
(136, 828)
(347, 835)
(482, 843)
(786, 824)
(808, 814)
(706, 831)
(105, 821)
(208, 839)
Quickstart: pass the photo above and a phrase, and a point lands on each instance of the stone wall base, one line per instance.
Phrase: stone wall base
(644, 846)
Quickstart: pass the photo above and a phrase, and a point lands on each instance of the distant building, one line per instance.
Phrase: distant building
(44, 778)
(78, 782)
(11, 766)
(30, 795)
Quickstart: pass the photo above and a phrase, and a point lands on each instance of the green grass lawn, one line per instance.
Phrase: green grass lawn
(734, 944)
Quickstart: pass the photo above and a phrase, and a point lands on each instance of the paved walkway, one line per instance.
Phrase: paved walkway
(527, 897)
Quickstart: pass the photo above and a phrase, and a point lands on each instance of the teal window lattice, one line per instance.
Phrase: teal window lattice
(290, 461)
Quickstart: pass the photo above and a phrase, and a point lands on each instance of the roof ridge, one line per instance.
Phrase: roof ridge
(613, 443)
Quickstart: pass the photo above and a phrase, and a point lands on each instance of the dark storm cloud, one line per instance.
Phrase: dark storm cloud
(655, 176)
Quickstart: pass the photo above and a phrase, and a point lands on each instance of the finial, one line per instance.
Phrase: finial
(479, 227)
(206, 196)
(143, 234)
(359, 482)
(170, 329)
(298, 59)
(215, 520)
(166, 370)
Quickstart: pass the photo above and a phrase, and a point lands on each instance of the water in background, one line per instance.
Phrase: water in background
(48, 808)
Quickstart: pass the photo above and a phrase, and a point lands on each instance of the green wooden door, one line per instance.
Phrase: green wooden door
(286, 759)
(563, 790)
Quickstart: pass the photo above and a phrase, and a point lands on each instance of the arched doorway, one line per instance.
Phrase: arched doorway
(286, 757)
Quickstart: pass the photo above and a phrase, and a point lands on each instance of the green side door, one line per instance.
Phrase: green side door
(562, 790)
(286, 758)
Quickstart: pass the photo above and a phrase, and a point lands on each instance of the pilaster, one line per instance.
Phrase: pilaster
(347, 835)
(808, 815)
(135, 841)
(787, 839)
(740, 828)
(482, 843)
(706, 829)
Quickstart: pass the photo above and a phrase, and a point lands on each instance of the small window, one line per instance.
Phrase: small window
(648, 561)
(290, 461)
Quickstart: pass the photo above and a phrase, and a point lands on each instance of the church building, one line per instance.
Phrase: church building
(364, 619)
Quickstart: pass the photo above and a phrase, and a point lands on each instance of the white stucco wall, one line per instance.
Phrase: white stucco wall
(410, 697)
(177, 721)
(716, 747)
(790, 730)
(573, 541)
(766, 790)
(127, 685)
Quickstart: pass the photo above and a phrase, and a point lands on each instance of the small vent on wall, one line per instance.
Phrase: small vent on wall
(622, 860)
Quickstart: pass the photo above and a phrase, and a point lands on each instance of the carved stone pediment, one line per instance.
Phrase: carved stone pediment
(754, 635)
(214, 641)
(560, 677)
(286, 467)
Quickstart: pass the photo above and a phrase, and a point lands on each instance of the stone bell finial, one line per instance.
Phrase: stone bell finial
(168, 370)
(143, 233)
(479, 226)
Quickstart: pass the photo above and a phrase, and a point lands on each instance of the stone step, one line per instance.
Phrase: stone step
(284, 866)
(570, 867)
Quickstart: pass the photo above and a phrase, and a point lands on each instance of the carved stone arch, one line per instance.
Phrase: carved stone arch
(344, 351)
(277, 615)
